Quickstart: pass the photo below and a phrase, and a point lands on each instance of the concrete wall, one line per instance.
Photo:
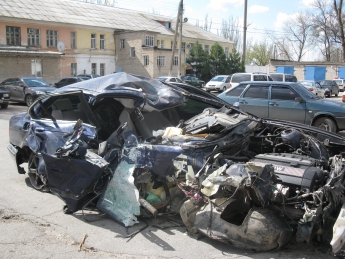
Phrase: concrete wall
(15, 66)
(299, 67)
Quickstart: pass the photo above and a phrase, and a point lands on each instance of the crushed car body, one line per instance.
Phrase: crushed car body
(136, 147)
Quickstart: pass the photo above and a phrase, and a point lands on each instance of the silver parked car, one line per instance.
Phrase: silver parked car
(314, 87)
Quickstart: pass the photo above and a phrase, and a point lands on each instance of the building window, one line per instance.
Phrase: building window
(183, 46)
(149, 41)
(93, 40)
(73, 40)
(101, 41)
(132, 53)
(162, 44)
(73, 69)
(102, 69)
(160, 61)
(175, 61)
(93, 68)
(13, 36)
(36, 68)
(168, 25)
(146, 60)
(207, 48)
(33, 37)
(52, 38)
(226, 50)
(122, 43)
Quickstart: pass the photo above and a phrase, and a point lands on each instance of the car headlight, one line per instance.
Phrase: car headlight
(40, 92)
(6, 95)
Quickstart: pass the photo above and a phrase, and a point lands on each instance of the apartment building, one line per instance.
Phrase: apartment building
(58, 38)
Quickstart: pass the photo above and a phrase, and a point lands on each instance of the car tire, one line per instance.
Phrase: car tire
(29, 100)
(202, 85)
(224, 88)
(336, 95)
(39, 182)
(4, 106)
(325, 123)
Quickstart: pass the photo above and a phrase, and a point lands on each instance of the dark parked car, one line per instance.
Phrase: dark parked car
(192, 80)
(26, 89)
(68, 81)
(4, 97)
(288, 101)
(331, 85)
(134, 146)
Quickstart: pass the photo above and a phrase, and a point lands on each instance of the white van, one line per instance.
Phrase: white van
(283, 77)
(241, 77)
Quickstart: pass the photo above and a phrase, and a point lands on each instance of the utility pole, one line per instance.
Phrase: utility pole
(244, 34)
(180, 42)
(179, 15)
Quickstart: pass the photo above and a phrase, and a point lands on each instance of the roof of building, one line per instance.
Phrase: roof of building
(87, 14)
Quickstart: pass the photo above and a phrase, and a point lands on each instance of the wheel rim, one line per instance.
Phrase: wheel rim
(324, 126)
(38, 181)
(29, 100)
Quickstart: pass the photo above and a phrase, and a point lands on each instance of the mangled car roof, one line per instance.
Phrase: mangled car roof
(157, 94)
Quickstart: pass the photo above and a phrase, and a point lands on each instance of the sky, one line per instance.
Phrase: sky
(262, 15)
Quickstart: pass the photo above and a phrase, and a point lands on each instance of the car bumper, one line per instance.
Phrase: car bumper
(13, 151)
(4, 100)
(212, 87)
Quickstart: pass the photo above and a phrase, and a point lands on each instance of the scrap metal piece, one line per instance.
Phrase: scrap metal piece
(82, 242)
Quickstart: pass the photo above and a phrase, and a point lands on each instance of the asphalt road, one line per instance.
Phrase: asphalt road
(32, 225)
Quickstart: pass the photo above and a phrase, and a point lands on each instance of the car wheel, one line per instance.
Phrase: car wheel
(336, 95)
(37, 180)
(4, 105)
(29, 100)
(202, 84)
(224, 88)
(325, 124)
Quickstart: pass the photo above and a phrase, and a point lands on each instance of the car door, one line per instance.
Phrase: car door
(68, 176)
(20, 90)
(283, 104)
(255, 100)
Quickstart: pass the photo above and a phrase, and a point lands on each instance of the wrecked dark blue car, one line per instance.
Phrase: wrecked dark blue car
(135, 146)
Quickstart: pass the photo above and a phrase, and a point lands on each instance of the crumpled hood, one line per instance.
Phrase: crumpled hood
(158, 95)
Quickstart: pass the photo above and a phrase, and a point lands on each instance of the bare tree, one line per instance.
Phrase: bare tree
(338, 7)
(206, 26)
(296, 38)
(324, 32)
(298, 31)
(230, 31)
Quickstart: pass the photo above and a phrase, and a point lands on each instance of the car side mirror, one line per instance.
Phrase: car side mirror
(21, 85)
(299, 100)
